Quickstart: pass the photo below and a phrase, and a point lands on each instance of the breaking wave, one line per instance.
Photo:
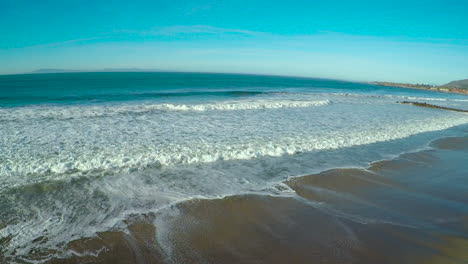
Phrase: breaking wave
(69, 112)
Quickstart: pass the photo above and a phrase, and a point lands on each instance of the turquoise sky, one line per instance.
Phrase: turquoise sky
(408, 41)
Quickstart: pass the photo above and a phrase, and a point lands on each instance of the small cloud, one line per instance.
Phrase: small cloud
(194, 29)
(197, 9)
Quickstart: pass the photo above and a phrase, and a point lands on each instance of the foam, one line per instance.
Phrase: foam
(135, 152)
(70, 112)
(434, 99)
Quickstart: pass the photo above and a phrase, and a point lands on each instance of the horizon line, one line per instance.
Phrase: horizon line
(139, 70)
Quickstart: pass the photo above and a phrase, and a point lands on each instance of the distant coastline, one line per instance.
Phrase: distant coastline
(447, 88)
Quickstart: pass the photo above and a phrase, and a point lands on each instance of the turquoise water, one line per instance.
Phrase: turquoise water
(89, 88)
(81, 152)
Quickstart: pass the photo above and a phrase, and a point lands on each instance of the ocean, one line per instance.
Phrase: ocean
(83, 155)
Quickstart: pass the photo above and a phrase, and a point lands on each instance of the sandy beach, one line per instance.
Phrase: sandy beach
(411, 209)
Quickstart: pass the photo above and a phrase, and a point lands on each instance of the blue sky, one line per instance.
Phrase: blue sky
(407, 41)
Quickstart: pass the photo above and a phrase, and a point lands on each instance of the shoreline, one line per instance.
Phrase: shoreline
(117, 239)
(331, 210)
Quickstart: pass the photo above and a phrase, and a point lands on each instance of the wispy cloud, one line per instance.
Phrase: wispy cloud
(194, 29)
(60, 43)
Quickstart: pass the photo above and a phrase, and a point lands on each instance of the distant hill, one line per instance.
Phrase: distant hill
(462, 84)
(459, 87)
(99, 70)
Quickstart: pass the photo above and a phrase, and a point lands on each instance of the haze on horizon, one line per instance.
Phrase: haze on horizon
(401, 41)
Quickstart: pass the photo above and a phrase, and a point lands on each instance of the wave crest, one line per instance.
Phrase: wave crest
(70, 112)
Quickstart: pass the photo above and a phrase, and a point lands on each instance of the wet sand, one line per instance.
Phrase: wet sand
(413, 209)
